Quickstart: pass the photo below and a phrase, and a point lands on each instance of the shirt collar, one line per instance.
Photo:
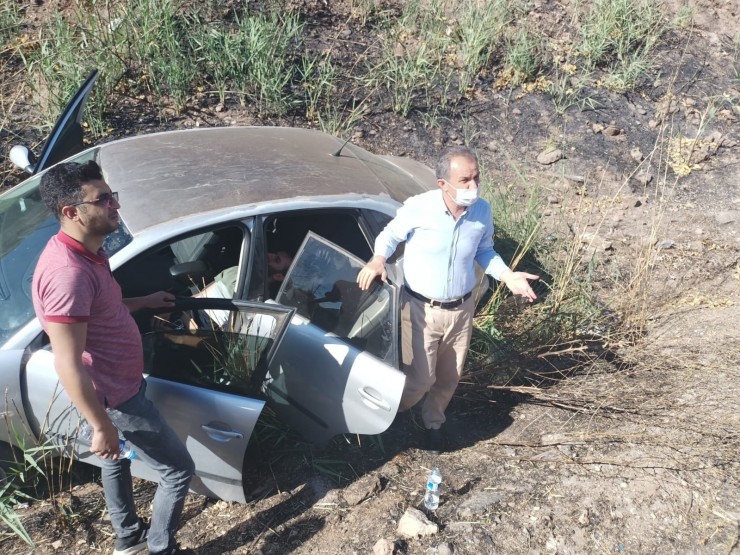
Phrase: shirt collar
(79, 248)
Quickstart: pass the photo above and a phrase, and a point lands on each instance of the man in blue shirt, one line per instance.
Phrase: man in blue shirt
(446, 231)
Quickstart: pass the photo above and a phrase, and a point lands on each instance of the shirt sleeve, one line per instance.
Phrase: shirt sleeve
(67, 296)
(486, 255)
(397, 231)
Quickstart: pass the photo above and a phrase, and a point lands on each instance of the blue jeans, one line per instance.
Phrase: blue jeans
(157, 445)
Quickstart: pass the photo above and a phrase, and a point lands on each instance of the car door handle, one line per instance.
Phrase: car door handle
(371, 398)
(221, 435)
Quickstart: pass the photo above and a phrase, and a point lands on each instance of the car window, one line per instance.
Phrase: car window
(205, 264)
(321, 286)
(187, 346)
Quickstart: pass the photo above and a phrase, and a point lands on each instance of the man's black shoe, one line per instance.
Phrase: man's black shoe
(435, 441)
(133, 544)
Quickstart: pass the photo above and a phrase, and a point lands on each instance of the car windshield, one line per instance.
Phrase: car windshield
(26, 224)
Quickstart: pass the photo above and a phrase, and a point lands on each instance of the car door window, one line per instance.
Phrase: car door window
(188, 346)
(188, 265)
(321, 286)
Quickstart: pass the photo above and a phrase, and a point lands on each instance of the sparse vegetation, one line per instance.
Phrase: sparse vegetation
(409, 78)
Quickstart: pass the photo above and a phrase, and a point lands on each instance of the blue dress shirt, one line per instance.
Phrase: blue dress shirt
(440, 255)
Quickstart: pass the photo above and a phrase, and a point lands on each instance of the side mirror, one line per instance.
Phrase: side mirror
(23, 158)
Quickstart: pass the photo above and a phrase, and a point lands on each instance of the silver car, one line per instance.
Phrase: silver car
(196, 205)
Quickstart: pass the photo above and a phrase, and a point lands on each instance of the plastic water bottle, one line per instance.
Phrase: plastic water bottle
(431, 498)
(85, 436)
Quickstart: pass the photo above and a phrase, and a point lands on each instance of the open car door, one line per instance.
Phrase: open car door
(337, 368)
(65, 139)
(204, 376)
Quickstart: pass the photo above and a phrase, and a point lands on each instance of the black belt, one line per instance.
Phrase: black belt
(441, 304)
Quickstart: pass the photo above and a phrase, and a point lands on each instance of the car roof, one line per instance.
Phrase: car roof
(167, 176)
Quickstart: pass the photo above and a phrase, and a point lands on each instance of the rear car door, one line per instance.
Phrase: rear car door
(337, 368)
(203, 376)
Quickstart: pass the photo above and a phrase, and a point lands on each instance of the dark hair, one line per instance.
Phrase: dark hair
(443, 163)
(62, 184)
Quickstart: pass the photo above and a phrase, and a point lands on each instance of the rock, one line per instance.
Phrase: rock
(464, 528)
(612, 130)
(477, 503)
(595, 241)
(726, 216)
(636, 154)
(666, 244)
(324, 491)
(584, 519)
(219, 107)
(644, 178)
(384, 547)
(575, 178)
(597, 128)
(345, 33)
(516, 112)
(399, 51)
(57, 544)
(362, 489)
(414, 523)
(695, 246)
(553, 200)
(444, 549)
(492, 146)
(652, 124)
(550, 156)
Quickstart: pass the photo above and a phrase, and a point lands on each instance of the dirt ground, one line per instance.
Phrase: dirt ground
(634, 449)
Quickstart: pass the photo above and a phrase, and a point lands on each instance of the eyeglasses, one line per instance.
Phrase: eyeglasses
(105, 200)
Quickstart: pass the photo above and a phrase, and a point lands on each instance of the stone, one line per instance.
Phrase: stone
(652, 124)
(644, 178)
(595, 242)
(477, 503)
(444, 548)
(575, 178)
(384, 547)
(362, 489)
(597, 128)
(666, 244)
(516, 112)
(414, 523)
(726, 216)
(636, 154)
(492, 146)
(550, 156)
(612, 130)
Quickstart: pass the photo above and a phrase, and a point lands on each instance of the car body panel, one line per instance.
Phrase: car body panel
(14, 428)
(344, 389)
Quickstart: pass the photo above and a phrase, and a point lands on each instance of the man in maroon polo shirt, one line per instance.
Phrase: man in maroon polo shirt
(98, 355)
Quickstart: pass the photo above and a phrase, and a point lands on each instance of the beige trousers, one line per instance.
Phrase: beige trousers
(434, 344)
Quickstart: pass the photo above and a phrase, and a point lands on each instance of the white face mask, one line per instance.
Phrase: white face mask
(464, 197)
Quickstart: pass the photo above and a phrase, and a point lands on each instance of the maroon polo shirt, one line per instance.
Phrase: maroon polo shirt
(73, 285)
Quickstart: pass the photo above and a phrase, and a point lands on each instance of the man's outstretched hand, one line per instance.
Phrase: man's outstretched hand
(518, 283)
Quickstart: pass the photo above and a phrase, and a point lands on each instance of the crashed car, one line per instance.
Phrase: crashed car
(194, 204)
